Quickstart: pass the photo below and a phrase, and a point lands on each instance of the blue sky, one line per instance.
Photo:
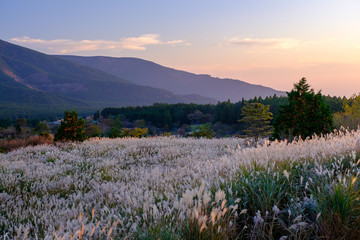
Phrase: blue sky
(273, 43)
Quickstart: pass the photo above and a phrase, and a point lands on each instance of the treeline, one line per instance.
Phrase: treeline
(223, 118)
(176, 115)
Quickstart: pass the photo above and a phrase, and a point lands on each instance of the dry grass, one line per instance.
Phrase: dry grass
(177, 188)
(13, 144)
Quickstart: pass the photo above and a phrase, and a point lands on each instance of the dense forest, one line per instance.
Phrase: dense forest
(223, 117)
(180, 119)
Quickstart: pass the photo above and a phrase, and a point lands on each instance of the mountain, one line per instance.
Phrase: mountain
(179, 82)
(19, 100)
(32, 79)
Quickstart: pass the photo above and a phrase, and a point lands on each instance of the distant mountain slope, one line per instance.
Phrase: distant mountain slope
(18, 100)
(179, 82)
(68, 83)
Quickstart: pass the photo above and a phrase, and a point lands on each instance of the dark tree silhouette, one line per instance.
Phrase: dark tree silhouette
(305, 115)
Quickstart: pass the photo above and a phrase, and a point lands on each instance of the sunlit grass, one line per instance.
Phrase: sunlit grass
(177, 188)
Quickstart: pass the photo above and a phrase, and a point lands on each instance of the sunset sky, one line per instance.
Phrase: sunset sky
(268, 42)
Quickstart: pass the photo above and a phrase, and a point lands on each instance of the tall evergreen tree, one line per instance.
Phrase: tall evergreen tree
(71, 128)
(257, 117)
(305, 115)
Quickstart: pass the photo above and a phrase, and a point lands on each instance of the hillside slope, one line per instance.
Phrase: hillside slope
(19, 100)
(151, 74)
(69, 83)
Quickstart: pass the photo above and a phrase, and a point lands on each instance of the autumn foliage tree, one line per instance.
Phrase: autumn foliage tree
(135, 133)
(305, 115)
(92, 130)
(71, 128)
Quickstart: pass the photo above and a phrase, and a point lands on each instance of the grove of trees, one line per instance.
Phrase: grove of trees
(305, 114)
(301, 113)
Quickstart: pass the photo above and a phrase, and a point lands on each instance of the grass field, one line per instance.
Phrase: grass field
(182, 188)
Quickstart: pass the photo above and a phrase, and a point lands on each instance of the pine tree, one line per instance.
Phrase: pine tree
(257, 117)
(71, 128)
(305, 115)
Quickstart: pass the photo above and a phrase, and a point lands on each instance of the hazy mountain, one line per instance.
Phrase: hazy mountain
(19, 100)
(179, 82)
(31, 78)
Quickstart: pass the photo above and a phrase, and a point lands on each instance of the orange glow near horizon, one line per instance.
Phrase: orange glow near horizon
(332, 66)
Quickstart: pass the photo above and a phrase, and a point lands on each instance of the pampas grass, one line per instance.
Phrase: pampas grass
(181, 188)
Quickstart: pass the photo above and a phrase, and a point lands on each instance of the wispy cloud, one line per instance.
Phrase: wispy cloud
(64, 46)
(282, 43)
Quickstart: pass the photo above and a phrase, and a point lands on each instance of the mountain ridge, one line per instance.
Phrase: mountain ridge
(149, 73)
(33, 82)
(33, 73)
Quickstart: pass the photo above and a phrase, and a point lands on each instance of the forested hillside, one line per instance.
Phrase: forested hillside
(148, 73)
(31, 79)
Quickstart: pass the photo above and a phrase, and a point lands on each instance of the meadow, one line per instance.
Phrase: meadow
(183, 188)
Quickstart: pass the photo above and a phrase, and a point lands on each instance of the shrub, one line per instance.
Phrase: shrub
(135, 133)
(42, 128)
(204, 131)
(127, 132)
(114, 132)
(166, 134)
(92, 131)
